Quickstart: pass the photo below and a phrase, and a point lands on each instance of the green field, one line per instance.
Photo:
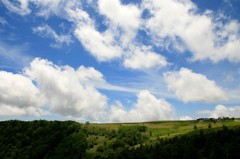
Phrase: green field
(155, 130)
(170, 128)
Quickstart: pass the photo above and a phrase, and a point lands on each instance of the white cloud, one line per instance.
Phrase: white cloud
(124, 31)
(47, 32)
(100, 45)
(18, 90)
(186, 118)
(65, 92)
(19, 96)
(116, 14)
(19, 6)
(9, 110)
(144, 58)
(189, 86)
(44, 8)
(222, 111)
(48, 7)
(203, 34)
(147, 108)
(89, 74)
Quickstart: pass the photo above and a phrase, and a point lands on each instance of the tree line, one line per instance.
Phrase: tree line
(67, 139)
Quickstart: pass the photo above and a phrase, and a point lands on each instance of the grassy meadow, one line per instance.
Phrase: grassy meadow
(155, 130)
(170, 128)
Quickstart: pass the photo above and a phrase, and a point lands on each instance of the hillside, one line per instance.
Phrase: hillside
(170, 128)
(55, 139)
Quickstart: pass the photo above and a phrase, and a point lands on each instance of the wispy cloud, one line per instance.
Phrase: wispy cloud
(21, 6)
(3, 21)
(47, 32)
(14, 56)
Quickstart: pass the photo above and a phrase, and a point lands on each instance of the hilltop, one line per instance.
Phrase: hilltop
(68, 139)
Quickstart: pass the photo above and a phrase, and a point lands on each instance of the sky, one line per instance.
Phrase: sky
(119, 60)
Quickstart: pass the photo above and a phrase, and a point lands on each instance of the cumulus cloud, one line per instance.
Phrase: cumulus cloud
(9, 110)
(19, 96)
(100, 45)
(189, 86)
(144, 58)
(179, 23)
(47, 32)
(44, 88)
(147, 108)
(116, 14)
(60, 90)
(222, 111)
(18, 90)
(65, 92)
(89, 74)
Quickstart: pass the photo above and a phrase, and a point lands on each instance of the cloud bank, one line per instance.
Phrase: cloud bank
(44, 88)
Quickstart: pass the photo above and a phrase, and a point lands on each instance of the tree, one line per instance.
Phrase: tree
(74, 145)
(209, 126)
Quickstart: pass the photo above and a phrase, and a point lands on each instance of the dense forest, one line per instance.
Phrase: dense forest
(67, 139)
(41, 139)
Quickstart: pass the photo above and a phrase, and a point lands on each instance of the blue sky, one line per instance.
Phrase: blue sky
(119, 60)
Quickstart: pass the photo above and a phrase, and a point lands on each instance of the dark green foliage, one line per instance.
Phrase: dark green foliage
(124, 138)
(130, 135)
(201, 144)
(59, 140)
(209, 126)
(41, 139)
(73, 145)
(195, 127)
